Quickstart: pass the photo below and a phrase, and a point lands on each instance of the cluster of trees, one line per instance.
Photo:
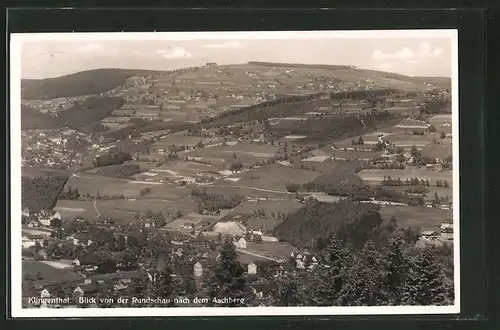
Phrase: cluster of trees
(112, 158)
(443, 183)
(437, 102)
(119, 170)
(158, 218)
(41, 192)
(292, 187)
(392, 274)
(215, 203)
(388, 181)
(334, 127)
(318, 220)
(71, 194)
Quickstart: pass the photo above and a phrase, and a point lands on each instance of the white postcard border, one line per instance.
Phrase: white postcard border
(15, 165)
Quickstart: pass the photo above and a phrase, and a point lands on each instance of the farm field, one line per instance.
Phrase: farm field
(424, 218)
(376, 176)
(441, 150)
(89, 183)
(247, 153)
(180, 169)
(36, 232)
(121, 209)
(31, 172)
(179, 139)
(408, 140)
(228, 188)
(51, 275)
(275, 177)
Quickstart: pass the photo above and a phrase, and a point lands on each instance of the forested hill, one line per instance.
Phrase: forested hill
(319, 221)
(34, 119)
(77, 84)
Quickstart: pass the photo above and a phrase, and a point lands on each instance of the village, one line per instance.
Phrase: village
(200, 163)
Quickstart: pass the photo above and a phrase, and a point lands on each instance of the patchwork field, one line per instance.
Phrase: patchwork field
(32, 172)
(424, 218)
(376, 176)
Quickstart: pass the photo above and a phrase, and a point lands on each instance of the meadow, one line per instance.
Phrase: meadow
(91, 184)
(376, 176)
(423, 218)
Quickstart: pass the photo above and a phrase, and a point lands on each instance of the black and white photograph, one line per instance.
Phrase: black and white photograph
(234, 173)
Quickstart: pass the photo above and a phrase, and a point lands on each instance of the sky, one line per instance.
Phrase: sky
(423, 55)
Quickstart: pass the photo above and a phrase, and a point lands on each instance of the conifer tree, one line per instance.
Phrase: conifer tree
(288, 292)
(397, 267)
(228, 280)
(363, 286)
(425, 285)
(330, 282)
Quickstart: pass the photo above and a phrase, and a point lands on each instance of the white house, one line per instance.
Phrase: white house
(78, 292)
(198, 269)
(241, 243)
(76, 262)
(44, 294)
(429, 235)
(252, 268)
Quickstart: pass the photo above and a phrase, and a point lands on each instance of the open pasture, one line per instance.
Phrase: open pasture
(91, 184)
(31, 172)
(424, 218)
(409, 139)
(375, 176)
(442, 122)
(275, 177)
(441, 150)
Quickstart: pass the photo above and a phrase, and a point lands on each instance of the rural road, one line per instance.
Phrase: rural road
(95, 207)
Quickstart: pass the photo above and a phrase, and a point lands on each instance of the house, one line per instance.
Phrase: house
(26, 212)
(197, 269)
(76, 262)
(241, 243)
(44, 294)
(447, 234)
(429, 235)
(78, 292)
(42, 254)
(33, 223)
(252, 268)
(448, 223)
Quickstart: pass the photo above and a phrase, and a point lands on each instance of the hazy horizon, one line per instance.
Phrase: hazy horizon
(426, 55)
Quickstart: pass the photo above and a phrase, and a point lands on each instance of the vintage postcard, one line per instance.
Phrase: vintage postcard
(234, 173)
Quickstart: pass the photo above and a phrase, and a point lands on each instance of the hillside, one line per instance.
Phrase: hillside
(89, 111)
(441, 82)
(77, 84)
